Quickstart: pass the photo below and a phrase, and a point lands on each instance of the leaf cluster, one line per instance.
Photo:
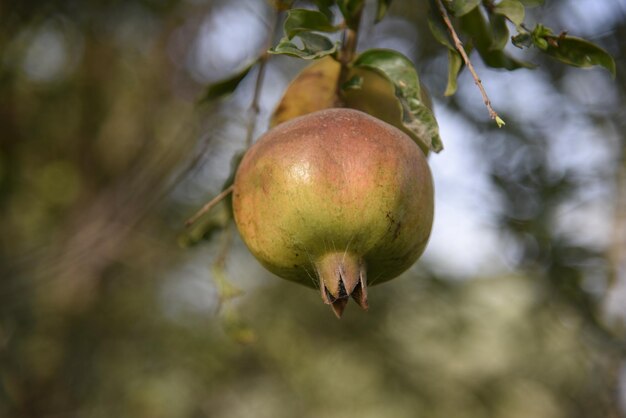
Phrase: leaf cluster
(486, 25)
(303, 38)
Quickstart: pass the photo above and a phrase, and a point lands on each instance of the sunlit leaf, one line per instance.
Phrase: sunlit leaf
(455, 63)
(314, 46)
(399, 70)
(512, 10)
(461, 7)
(303, 20)
(381, 10)
(225, 87)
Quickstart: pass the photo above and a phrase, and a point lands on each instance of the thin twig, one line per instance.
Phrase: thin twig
(459, 46)
(217, 199)
(255, 108)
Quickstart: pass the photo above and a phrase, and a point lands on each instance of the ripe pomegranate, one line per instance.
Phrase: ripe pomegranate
(326, 197)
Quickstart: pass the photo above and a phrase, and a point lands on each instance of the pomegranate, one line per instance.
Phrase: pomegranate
(327, 197)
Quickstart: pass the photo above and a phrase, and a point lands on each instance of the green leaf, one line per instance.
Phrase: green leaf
(568, 49)
(324, 6)
(461, 7)
(225, 87)
(417, 117)
(579, 53)
(351, 11)
(303, 20)
(499, 30)
(439, 30)
(381, 9)
(532, 3)
(455, 63)
(475, 25)
(512, 10)
(314, 46)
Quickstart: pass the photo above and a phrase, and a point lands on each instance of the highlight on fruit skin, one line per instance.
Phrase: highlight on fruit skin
(335, 199)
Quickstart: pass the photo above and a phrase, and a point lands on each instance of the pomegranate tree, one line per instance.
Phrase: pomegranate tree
(335, 199)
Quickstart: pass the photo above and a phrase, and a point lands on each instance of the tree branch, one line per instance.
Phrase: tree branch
(258, 86)
(217, 199)
(459, 46)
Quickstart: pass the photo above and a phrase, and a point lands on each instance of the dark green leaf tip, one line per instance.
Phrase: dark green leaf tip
(224, 87)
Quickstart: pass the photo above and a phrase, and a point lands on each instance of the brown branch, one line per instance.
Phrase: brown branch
(217, 199)
(459, 46)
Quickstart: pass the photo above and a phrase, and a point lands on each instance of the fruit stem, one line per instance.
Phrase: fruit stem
(346, 54)
(341, 275)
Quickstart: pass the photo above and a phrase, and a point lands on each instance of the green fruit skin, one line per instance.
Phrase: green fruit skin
(337, 180)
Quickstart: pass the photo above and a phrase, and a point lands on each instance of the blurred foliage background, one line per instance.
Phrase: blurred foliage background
(517, 308)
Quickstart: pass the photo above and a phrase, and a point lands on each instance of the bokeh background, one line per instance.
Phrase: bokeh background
(517, 308)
